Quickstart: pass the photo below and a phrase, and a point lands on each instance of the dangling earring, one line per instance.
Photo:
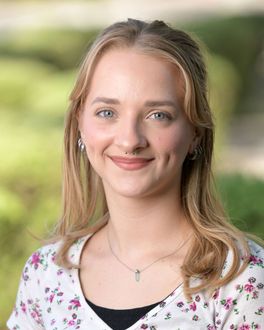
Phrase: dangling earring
(81, 145)
(197, 152)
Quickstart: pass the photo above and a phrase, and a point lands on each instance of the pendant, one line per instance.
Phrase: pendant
(137, 275)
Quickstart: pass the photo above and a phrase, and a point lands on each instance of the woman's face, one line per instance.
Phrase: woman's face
(134, 105)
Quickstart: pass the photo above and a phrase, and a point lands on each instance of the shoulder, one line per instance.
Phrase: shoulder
(41, 265)
(241, 300)
(46, 289)
(251, 280)
(256, 259)
(255, 264)
(41, 260)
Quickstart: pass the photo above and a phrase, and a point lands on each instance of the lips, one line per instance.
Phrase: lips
(131, 164)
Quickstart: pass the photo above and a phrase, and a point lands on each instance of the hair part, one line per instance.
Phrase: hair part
(84, 205)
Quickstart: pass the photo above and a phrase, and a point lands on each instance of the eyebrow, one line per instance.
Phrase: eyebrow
(153, 103)
(107, 100)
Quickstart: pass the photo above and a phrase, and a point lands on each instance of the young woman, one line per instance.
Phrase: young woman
(142, 243)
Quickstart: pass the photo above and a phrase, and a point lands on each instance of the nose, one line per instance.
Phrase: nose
(130, 136)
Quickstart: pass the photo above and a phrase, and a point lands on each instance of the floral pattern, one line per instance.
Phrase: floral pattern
(50, 297)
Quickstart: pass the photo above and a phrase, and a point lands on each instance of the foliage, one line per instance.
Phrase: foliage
(237, 39)
(60, 48)
(243, 199)
(38, 69)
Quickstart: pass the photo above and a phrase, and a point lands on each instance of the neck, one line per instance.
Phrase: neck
(153, 225)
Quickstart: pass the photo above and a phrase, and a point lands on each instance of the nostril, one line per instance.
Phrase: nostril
(130, 138)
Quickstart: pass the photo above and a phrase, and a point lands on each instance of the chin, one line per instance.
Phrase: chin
(124, 189)
(131, 192)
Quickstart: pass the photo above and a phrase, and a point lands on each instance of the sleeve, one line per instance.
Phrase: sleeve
(27, 312)
(240, 304)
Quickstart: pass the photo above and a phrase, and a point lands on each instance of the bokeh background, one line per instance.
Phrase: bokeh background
(41, 46)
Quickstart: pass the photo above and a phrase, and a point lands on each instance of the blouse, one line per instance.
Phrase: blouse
(50, 297)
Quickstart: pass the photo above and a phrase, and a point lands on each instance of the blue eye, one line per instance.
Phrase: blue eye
(105, 113)
(160, 116)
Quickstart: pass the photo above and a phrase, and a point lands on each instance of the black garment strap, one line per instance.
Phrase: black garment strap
(120, 319)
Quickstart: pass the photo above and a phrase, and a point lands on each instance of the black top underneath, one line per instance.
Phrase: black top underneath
(120, 319)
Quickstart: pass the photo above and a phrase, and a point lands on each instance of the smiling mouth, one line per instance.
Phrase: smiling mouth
(131, 164)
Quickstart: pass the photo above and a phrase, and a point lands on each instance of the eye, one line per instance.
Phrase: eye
(160, 116)
(105, 113)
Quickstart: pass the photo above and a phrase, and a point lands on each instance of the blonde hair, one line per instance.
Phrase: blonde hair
(85, 209)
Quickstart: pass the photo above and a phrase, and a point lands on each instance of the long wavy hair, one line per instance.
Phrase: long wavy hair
(84, 205)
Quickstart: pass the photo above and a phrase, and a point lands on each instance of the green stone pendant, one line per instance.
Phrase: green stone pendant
(137, 275)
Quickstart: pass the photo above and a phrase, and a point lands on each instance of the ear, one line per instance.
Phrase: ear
(197, 136)
(79, 120)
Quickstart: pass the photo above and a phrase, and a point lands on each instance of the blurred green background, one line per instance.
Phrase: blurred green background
(37, 72)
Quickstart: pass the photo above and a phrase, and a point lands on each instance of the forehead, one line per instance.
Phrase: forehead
(137, 69)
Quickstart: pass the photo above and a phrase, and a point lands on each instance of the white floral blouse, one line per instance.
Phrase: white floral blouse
(50, 297)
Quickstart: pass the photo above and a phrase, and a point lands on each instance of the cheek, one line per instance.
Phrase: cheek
(95, 137)
(174, 142)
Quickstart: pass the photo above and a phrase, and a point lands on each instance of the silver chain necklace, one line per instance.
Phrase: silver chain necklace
(138, 272)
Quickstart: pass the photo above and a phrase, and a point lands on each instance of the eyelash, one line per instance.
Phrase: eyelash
(101, 113)
(166, 115)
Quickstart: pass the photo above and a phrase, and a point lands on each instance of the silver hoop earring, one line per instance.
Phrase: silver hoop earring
(81, 145)
(197, 152)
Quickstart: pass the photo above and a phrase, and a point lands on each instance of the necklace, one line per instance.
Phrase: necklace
(138, 272)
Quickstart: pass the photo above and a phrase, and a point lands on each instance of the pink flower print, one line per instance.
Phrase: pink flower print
(59, 272)
(216, 294)
(211, 327)
(75, 303)
(35, 311)
(168, 316)
(244, 327)
(252, 280)
(180, 304)
(53, 257)
(249, 287)
(255, 294)
(228, 302)
(23, 307)
(197, 298)
(193, 306)
(51, 297)
(25, 275)
(144, 326)
(260, 311)
(195, 318)
(35, 260)
(71, 322)
(15, 311)
(255, 260)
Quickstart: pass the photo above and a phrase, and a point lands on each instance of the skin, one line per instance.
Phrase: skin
(121, 115)
(161, 134)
